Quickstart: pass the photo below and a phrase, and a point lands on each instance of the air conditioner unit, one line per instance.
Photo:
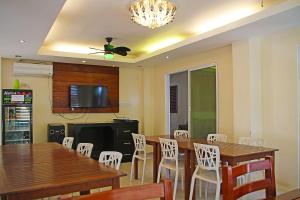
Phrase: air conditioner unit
(26, 69)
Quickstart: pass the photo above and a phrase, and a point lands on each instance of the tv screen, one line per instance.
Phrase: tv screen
(88, 96)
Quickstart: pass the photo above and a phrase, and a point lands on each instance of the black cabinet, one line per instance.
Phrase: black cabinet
(124, 139)
(113, 136)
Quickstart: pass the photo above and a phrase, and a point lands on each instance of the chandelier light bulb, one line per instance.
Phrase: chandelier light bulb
(152, 13)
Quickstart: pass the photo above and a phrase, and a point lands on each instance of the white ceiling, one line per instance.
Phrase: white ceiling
(85, 23)
(28, 20)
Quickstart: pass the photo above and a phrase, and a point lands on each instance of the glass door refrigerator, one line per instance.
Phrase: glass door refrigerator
(16, 116)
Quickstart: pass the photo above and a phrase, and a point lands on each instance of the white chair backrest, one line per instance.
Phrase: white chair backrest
(85, 149)
(208, 156)
(259, 142)
(139, 142)
(169, 148)
(111, 159)
(217, 137)
(68, 142)
(181, 134)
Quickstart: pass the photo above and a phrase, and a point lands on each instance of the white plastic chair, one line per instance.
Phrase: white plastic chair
(181, 134)
(111, 159)
(139, 153)
(85, 149)
(169, 160)
(251, 141)
(208, 168)
(68, 142)
(217, 137)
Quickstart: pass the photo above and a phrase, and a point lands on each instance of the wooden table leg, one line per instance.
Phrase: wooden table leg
(271, 174)
(233, 163)
(156, 160)
(136, 168)
(187, 173)
(116, 183)
(154, 163)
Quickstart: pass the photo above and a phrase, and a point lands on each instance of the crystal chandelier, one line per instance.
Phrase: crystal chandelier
(152, 13)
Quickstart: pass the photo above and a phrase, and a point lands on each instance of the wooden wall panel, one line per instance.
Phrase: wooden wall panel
(65, 74)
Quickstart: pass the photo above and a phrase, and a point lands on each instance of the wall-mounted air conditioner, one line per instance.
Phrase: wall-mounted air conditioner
(26, 69)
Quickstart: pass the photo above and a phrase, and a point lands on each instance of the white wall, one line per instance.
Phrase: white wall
(0, 103)
(155, 84)
(181, 117)
(298, 60)
(265, 97)
(131, 99)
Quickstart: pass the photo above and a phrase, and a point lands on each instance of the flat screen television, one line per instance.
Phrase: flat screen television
(88, 96)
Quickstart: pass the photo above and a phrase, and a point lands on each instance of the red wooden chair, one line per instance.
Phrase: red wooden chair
(229, 175)
(162, 190)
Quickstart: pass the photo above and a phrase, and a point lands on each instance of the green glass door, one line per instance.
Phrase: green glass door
(203, 107)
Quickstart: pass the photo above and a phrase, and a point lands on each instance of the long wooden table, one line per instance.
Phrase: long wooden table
(229, 152)
(31, 171)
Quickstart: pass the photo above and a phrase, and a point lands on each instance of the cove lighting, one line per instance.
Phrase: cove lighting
(163, 44)
(70, 48)
(224, 19)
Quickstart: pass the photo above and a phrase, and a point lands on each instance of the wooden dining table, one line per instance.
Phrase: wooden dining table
(31, 171)
(230, 153)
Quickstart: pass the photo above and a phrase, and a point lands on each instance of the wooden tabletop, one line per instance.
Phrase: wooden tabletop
(41, 170)
(229, 153)
(228, 150)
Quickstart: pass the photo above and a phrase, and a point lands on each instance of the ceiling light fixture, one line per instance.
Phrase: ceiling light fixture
(108, 56)
(152, 13)
(22, 41)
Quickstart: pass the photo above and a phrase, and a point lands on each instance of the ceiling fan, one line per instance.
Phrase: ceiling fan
(109, 50)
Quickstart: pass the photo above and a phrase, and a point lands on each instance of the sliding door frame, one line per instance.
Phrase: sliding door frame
(167, 99)
(167, 94)
(217, 92)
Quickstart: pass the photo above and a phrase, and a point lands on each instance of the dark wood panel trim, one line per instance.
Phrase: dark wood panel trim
(66, 74)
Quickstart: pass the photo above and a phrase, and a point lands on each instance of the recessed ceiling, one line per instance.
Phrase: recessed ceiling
(28, 20)
(61, 30)
(82, 24)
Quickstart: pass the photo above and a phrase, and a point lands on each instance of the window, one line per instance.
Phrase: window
(174, 99)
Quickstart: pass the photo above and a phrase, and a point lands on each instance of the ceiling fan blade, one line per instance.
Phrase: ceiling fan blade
(121, 51)
(96, 49)
(96, 52)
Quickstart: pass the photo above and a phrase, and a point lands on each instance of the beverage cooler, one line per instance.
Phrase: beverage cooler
(16, 116)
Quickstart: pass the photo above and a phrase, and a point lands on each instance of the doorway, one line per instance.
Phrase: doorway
(191, 101)
(203, 101)
(178, 100)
